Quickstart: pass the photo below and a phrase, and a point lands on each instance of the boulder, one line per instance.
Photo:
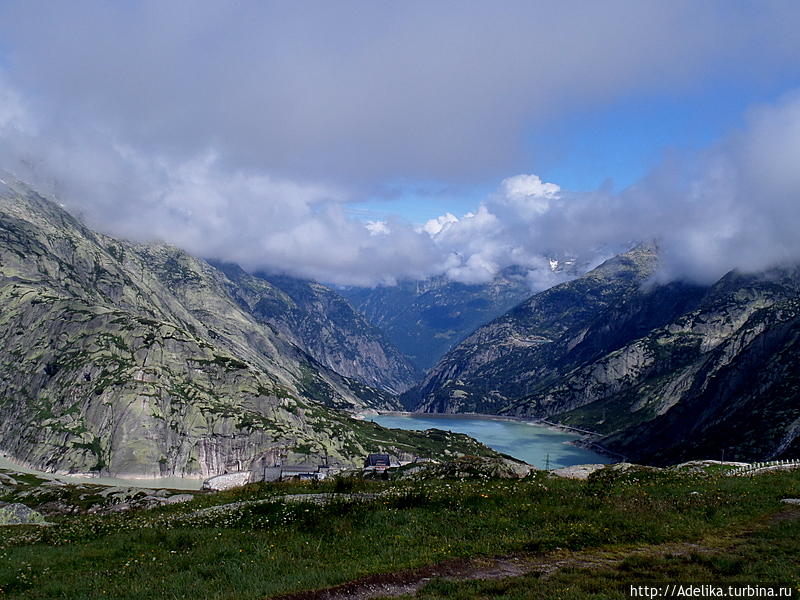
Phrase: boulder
(576, 471)
(227, 481)
(178, 498)
(19, 514)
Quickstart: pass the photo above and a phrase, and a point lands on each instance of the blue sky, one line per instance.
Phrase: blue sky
(614, 144)
(420, 201)
(624, 141)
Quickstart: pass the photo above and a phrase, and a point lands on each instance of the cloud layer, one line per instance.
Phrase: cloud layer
(244, 131)
(733, 206)
(359, 92)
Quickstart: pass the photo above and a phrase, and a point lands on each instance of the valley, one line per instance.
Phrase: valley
(666, 373)
(144, 361)
(399, 300)
(337, 464)
(122, 359)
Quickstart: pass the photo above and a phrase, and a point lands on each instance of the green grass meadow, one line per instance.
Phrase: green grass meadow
(263, 549)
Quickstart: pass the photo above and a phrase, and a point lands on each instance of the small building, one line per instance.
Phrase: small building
(273, 467)
(303, 472)
(378, 462)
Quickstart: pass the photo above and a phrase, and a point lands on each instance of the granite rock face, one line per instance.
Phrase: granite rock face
(319, 320)
(735, 388)
(19, 514)
(499, 361)
(131, 359)
(227, 482)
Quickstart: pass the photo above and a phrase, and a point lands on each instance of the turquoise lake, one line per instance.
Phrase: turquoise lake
(535, 444)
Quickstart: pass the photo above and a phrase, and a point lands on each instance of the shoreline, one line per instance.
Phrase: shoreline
(9, 463)
(595, 447)
(585, 441)
(489, 417)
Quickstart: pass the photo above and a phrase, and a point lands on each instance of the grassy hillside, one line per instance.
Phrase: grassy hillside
(591, 537)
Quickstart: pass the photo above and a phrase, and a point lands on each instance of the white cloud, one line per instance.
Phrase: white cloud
(378, 228)
(360, 93)
(732, 206)
(477, 268)
(435, 226)
(12, 113)
(528, 194)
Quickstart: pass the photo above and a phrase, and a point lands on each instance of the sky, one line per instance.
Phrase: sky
(362, 143)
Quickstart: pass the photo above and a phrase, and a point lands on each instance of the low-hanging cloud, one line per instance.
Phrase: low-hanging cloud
(735, 205)
(245, 132)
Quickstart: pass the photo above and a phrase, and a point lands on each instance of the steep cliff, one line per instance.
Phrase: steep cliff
(724, 380)
(320, 321)
(501, 360)
(133, 359)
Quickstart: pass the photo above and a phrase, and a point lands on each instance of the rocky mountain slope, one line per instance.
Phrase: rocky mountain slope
(138, 360)
(320, 321)
(721, 380)
(502, 359)
(425, 319)
(667, 372)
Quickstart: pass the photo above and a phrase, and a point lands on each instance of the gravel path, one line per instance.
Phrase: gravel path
(407, 582)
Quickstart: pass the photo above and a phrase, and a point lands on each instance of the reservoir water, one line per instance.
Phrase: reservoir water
(535, 444)
(172, 483)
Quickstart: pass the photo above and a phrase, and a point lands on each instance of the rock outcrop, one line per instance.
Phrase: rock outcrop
(19, 514)
(321, 322)
(501, 361)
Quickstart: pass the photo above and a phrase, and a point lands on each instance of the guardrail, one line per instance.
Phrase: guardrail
(766, 466)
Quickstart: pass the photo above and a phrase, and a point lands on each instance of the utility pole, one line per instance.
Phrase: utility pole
(547, 462)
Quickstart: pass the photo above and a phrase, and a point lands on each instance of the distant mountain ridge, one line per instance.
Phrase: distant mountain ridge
(493, 364)
(140, 359)
(425, 319)
(320, 321)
